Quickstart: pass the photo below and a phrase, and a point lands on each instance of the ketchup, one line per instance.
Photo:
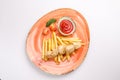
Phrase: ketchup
(66, 26)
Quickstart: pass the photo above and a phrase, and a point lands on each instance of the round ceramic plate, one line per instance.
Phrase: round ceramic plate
(35, 39)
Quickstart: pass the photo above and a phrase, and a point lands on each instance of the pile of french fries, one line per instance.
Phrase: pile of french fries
(53, 43)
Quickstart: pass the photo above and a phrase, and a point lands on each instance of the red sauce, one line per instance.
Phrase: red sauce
(66, 26)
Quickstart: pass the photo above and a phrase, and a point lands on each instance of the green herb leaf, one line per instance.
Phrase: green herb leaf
(50, 22)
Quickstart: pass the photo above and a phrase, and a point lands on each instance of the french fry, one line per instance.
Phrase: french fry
(43, 49)
(48, 45)
(73, 40)
(55, 40)
(45, 58)
(69, 38)
(66, 42)
(49, 42)
(52, 43)
(61, 56)
(59, 60)
(68, 56)
(60, 41)
(64, 58)
(56, 60)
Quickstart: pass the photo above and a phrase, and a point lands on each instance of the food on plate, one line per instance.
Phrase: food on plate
(56, 47)
(52, 27)
(45, 31)
(77, 45)
(50, 22)
(69, 49)
(66, 26)
(58, 42)
(61, 49)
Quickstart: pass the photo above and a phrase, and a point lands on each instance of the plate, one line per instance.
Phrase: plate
(35, 39)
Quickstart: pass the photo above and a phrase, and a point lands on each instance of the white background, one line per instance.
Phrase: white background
(103, 59)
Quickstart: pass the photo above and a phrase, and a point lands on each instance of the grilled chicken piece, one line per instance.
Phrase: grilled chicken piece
(54, 52)
(69, 49)
(61, 49)
(77, 45)
(49, 54)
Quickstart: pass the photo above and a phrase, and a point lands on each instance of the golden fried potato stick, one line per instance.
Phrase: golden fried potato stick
(64, 58)
(59, 59)
(46, 46)
(66, 42)
(73, 40)
(61, 56)
(52, 43)
(49, 42)
(68, 56)
(55, 39)
(56, 60)
(60, 41)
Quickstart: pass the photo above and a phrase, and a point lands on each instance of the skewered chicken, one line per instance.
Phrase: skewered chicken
(69, 49)
(77, 45)
(49, 54)
(61, 49)
(54, 52)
